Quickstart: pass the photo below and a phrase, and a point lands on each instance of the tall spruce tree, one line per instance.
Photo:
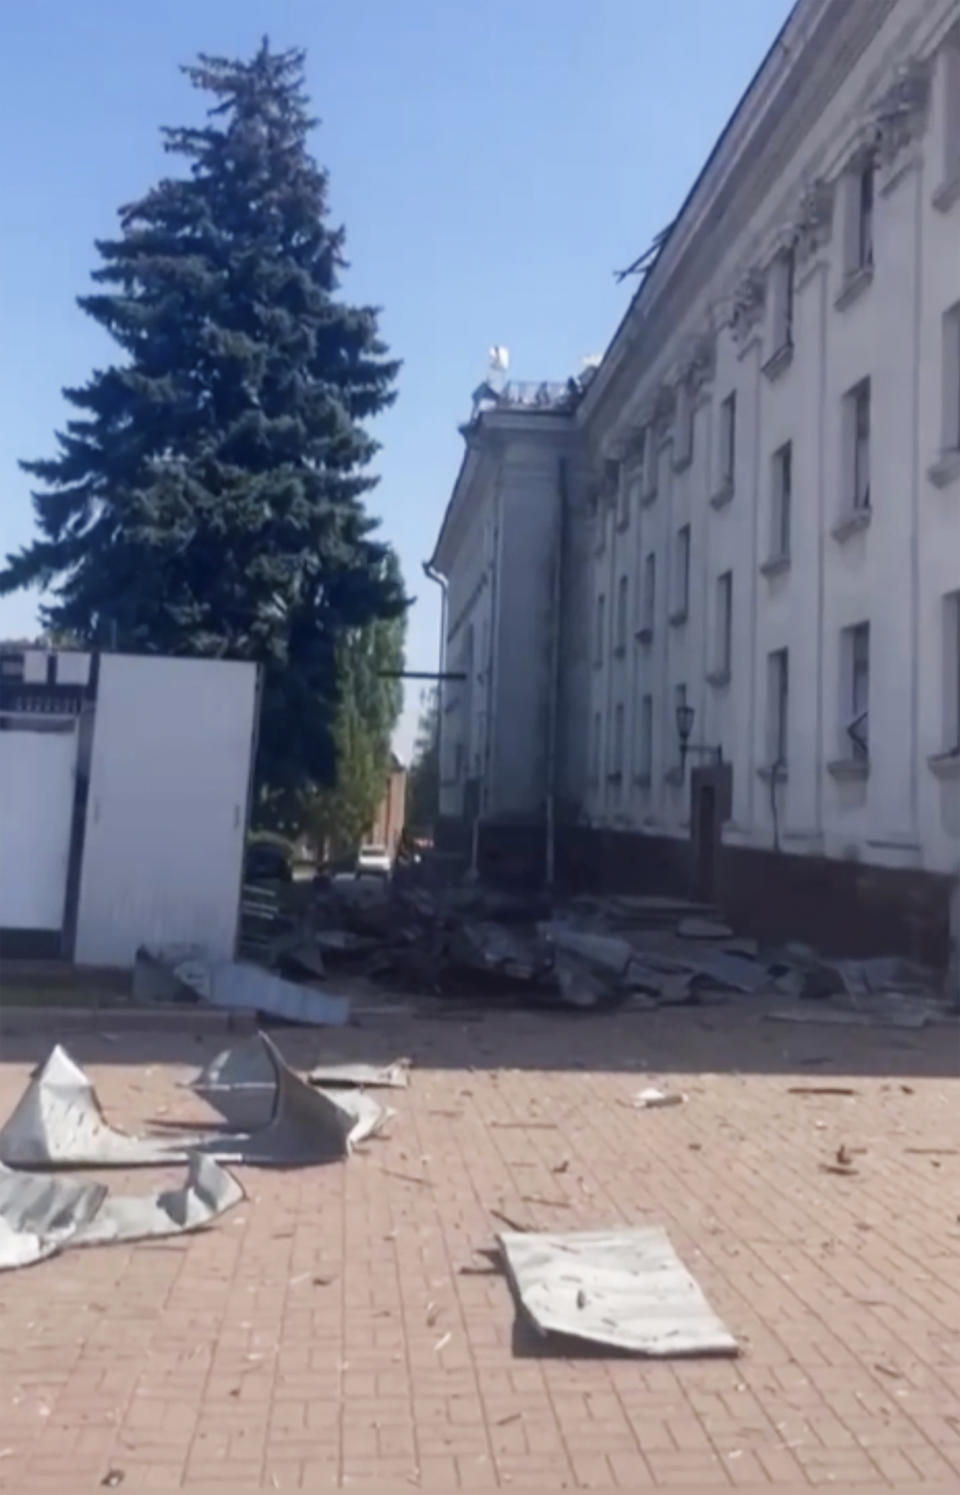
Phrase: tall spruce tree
(207, 498)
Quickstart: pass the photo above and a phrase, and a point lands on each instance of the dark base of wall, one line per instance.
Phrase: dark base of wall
(840, 908)
(31, 944)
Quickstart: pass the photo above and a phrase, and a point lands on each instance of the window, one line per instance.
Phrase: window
(683, 441)
(650, 460)
(623, 503)
(724, 625)
(682, 574)
(601, 629)
(856, 666)
(778, 689)
(649, 595)
(864, 243)
(679, 702)
(951, 110)
(616, 759)
(645, 744)
(951, 673)
(784, 277)
(595, 749)
(857, 423)
(622, 595)
(950, 439)
(782, 493)
(728, 439)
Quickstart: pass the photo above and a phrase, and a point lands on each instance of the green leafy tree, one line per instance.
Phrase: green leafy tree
(207, 496)
(423, 783)
(340, 815)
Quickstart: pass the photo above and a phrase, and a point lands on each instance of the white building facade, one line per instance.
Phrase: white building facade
(771, 450)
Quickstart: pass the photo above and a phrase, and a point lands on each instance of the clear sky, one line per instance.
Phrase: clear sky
(493, 163)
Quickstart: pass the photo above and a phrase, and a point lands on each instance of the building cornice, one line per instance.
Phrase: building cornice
(808, 62)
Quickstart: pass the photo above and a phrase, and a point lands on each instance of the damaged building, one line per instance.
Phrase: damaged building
(705, 603)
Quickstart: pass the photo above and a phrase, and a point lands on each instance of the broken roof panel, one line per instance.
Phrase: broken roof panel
(625, 1288)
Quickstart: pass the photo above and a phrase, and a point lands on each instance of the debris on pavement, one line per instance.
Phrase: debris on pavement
(652, 1099)
(41, 1216)
(185, 973)
(703, 929)
(820, 1090)
(248, 1066)
(625, 1288)
(58, 1121)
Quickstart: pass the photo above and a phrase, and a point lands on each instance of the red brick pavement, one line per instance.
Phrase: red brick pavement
(324, 1335)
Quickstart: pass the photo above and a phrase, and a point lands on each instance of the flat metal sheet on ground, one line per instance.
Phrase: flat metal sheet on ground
(177, 972)
(624, 1288)
(816, 1012)
(58, 1122)
(246, 1066)
(41, 1215)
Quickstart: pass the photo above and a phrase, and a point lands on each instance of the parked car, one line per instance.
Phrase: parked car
(373, 861)
(267, 861)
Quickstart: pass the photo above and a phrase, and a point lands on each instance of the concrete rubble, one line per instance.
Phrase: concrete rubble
(457, 942)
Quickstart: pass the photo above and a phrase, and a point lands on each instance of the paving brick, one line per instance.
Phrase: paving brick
(214, 1362)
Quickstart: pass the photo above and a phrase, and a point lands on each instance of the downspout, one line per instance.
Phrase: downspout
(432, 574)
(556, 654)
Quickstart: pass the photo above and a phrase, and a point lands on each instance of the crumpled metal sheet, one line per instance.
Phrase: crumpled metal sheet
(58, 1121)
(246, 1066)
(606, 950)
(41, 1215)
(395, 1076)
(623, 1288)
(184, 972)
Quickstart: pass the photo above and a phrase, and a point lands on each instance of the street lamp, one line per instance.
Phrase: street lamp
(685, 719)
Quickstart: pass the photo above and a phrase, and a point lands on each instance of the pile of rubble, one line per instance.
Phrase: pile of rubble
(467, 944)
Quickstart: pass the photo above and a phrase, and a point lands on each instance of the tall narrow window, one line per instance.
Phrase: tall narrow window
(781, 506)
(950, 440)
(728, 440)
(679, 702)
(778, 689)
(645, 745)
(622, 598)
(681, 604)
(861, 446)
(865, 186)
(724, 627)
(616, 758)
(601, 625)
(650, 462)
(951, 110)
(649, 596)
(857, 670)
(683, 440)
(784, 278)
(595, 759)
(623, 501)
(951, 674)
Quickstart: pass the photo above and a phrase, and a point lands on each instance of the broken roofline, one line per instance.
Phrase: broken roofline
(748, 118)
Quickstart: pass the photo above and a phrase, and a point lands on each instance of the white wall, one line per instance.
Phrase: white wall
(36, 813)
(164, 841)
(894, 573)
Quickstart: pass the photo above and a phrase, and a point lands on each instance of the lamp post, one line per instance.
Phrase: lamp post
(685, 719)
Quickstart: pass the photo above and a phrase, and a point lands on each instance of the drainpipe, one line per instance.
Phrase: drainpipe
(432, 574)
(556, 655)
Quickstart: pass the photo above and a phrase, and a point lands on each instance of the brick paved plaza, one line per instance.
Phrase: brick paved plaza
(343, 1326)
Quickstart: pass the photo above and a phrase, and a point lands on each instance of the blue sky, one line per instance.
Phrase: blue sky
(493, 165)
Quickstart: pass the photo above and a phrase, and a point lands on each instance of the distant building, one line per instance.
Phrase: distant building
(389, 822)
(746, 525)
